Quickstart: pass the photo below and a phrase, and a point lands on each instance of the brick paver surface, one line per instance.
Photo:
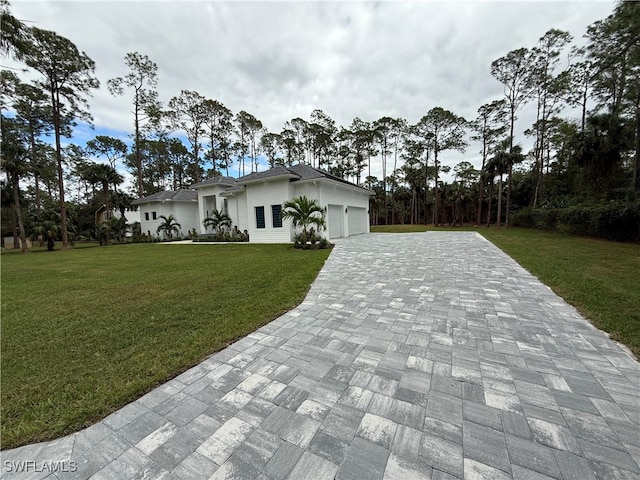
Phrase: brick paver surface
(416, 356)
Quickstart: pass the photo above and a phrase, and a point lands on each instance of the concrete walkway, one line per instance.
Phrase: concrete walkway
(416, 356)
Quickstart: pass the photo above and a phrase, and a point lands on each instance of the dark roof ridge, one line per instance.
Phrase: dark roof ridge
(220, 179)
(277, 171)
(321, 173)
(182, 194)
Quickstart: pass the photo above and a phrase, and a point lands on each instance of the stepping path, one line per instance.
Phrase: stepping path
(414, 356)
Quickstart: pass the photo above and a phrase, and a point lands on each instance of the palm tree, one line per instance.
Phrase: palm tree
(502, 163)
(46, 226)
(217, 221)
(498, 165)
(105, 176)
(304, 212)
(169, 226)
(513, 157)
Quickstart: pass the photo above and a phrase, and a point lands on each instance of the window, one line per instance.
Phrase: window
(146, 216)
(225, 207)
(260, 217)
(276, 212)
(153, 215)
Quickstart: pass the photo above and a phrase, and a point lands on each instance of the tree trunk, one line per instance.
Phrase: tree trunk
(138, 155)
(508, 207)
(537, 150)
(105, 193)
(55, 98)
(481, 181)
(32, 140)
(584, 108)
(393, 188)
(384, 179)
(499, 214)
(435, 200)
(490, 203)
(426, 204)
(636, 159)
(413, 206)
(196, 163)
(18, 212)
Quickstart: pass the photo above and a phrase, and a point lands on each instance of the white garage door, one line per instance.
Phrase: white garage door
(357, 220)
(334, 221)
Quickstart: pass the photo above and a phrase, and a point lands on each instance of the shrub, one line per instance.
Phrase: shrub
(310, 242)
(618, 221)
(228, 236)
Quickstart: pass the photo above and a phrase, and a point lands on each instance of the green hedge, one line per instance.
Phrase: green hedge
(614, 221)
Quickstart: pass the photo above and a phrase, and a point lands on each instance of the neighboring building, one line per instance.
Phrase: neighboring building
(182, 204)
(132, 215)
(254, 202)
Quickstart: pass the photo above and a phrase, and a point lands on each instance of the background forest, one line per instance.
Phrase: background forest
(578, 174)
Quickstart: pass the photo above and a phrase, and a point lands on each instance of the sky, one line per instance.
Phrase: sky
(281, 60)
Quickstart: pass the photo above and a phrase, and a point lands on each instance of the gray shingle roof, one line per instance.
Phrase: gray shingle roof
(301, 171)
(220, 180)
(181, 195)
(307, 172)
(232, 189)
(272, 172)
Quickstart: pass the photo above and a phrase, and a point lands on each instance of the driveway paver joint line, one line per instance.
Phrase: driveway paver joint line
(413, 356)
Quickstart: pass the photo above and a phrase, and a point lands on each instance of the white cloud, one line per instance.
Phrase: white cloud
(279, 60)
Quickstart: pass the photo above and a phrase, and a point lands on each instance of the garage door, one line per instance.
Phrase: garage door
(334, 221)
(357, 220)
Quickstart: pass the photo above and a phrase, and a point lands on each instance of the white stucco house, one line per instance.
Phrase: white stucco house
(254, 203)
(182, 204)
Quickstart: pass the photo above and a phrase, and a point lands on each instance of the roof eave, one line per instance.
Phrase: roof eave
(284, 176)
(331, 181)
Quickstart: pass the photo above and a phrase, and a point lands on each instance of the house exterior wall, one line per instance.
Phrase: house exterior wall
(346, 206)
(132, 216)
(208, 199)
(266, 194)
(243, 218)
(185, 213)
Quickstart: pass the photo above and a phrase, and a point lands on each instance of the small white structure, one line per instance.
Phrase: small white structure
(254, 202)
(8, 244)
(182, 204)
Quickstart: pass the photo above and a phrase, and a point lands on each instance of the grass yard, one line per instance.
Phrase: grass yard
(600, 278)
(86, 331)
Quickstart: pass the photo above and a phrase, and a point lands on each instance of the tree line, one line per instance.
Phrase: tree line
(590, 159)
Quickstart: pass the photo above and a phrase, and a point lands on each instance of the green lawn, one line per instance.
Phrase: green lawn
(600, 278)
(88, 330)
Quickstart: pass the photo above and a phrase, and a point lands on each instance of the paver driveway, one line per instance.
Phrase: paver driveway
(427, 356)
